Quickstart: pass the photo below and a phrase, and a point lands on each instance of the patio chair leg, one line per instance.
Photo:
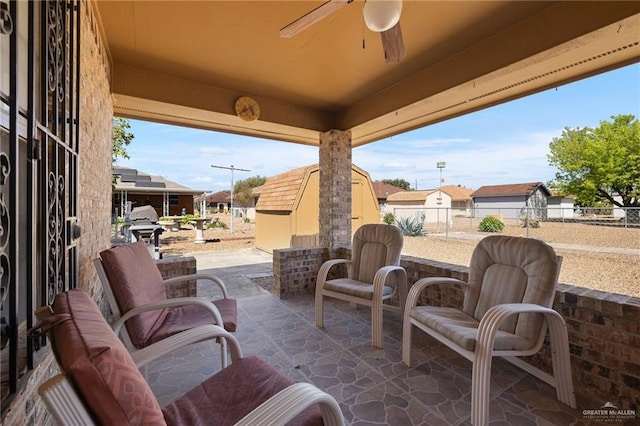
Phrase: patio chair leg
(560, 357)
(480, 389)
(376, 324)
(319, 310)
(406, 342)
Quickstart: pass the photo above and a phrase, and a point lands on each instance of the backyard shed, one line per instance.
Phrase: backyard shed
(511, 201)
(288, 209)
(560, 207)
(431, 204)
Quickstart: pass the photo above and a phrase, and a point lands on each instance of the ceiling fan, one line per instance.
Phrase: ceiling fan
(381, 16)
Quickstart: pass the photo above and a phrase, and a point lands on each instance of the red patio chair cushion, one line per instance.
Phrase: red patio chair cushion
(231, 394)
(136, 281)
(99, 365)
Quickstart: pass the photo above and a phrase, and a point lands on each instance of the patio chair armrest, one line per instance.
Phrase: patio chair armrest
(291, 401)
(187, 337)
(496, 315)
(168, 303)
(326, 267)
(63, 402)
(182, 278)
(380, 279)
(419, 286)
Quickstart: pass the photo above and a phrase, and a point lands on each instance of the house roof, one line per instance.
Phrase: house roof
(514, 189)
(134, 181)
(218, 197)
(458, 193)
(187, 62)
(383, 190)
(256, 191)
(413, 195)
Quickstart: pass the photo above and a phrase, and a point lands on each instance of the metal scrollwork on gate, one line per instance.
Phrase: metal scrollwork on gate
(6, 22)
(5, 264)
(55, 48)
(55, 236)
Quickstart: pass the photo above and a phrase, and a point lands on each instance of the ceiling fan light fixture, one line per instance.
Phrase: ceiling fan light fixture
(381, 15)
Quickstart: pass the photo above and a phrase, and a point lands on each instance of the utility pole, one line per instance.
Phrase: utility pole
(440, 165)
(232, 169)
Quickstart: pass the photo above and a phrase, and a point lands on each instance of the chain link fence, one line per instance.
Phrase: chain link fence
(527, 221)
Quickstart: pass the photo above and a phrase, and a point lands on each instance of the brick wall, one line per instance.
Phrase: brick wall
(176, 266)
(96, 126)
(96, 112)
(604, 328)
(335, 189)
(295, 270)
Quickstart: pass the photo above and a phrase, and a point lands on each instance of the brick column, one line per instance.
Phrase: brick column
(335, 189)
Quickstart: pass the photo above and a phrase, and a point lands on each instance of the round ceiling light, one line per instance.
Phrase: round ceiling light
(381, 15)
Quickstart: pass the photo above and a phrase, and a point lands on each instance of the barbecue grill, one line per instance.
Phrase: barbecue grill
(143, 225)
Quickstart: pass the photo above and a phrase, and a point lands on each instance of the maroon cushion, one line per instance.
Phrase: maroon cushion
(99, 365)
(136, 281)
(229, 312)
(231, 394)
(189, 316)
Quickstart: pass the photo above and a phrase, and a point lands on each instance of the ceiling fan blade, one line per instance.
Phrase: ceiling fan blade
(305, 21)
(392, 44)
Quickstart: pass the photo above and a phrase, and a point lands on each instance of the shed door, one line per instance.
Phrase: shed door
(357, 213)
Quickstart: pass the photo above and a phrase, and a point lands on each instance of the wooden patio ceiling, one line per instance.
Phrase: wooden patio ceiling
(187, 63)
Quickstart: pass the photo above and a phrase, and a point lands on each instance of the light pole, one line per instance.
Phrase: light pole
(232, 169)
(440, 165)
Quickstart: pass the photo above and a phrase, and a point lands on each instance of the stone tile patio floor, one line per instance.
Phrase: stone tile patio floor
(373, 386)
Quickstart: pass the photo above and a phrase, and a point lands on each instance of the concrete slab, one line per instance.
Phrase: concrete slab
(236, 268)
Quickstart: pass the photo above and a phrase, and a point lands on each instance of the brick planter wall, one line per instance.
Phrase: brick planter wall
(176, 266)
(604, 328)
(295, 270)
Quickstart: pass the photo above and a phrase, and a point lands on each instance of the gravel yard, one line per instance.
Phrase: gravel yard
(585, 267)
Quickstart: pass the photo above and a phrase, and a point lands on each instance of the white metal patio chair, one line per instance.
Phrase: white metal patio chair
(374, 275)
(101, 382)
(506, 313)
(136, 293)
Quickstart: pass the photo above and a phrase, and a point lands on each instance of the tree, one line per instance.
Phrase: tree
(242, 191)
(121, 138)
(400, 183)
(599, 164)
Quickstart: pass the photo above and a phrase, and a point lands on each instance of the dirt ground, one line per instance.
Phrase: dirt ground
(609, 272)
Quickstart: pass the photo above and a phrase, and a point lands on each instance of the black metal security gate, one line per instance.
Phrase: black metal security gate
(39, 133)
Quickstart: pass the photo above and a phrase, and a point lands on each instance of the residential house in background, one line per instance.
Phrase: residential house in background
(218, 201)
(432, 205)
(287, 211)
(134, 189)
(511, 201)
(461, 202)
(382, 191)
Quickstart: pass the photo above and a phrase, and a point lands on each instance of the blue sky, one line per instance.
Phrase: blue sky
(505, 144)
